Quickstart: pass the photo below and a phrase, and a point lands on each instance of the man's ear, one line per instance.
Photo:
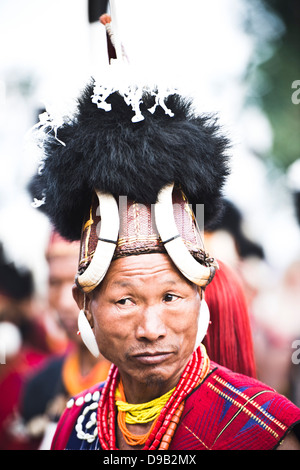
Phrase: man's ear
(78, 296)
(201, 291)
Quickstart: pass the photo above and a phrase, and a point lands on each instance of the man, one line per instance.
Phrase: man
(120, 175)
(144, 316)
(154, 341)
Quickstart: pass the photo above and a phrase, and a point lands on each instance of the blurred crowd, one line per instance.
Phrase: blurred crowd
(273, 303)
(44, 361)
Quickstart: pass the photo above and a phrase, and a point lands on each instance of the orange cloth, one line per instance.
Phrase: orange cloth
(75, 382)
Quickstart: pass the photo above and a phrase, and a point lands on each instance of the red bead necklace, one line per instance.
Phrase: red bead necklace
(165, 426)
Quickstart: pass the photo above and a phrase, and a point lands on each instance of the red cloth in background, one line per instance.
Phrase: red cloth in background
(12, 377)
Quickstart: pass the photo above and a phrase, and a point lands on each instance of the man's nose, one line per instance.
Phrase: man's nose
(151, 326)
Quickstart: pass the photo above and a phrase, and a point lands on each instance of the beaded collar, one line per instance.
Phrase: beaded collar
(88, 426)
(164, 427)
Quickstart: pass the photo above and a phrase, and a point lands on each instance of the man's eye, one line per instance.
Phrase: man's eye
(170, 297)
(126, 301)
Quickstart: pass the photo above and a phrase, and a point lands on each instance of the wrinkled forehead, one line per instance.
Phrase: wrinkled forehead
(137, 271)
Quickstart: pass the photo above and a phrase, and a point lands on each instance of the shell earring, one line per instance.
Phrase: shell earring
(87, 334)
(203, 323)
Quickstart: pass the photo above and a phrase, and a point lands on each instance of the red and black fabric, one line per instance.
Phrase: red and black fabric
(227, 411)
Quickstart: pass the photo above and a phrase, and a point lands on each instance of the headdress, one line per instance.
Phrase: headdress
(123, 174)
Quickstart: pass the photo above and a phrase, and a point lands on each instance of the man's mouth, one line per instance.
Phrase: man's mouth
(152, 358)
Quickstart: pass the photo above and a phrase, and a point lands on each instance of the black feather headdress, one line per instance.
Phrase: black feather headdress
(105, 150)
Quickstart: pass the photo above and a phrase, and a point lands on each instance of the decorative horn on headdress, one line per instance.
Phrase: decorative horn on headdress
(173, 243)
(106, 244)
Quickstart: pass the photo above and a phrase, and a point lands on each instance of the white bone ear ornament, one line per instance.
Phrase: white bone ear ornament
(87, 334)
(107, 241)
(203, 323)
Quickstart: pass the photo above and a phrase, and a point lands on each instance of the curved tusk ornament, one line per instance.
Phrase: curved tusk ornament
(174, 245)
(107, 241)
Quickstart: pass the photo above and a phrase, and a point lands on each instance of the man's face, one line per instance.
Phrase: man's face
(145, 318)
(62, 270)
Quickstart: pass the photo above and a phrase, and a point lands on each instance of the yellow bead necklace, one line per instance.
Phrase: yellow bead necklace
(140, 413)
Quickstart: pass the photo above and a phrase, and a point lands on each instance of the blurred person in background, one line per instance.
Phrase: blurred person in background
(293, 280)
(23, 344)
(229, 337)
(46, 393)
(17, 304)
(274, 307)
(229, 242)
(276, 315)
(292, 284)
